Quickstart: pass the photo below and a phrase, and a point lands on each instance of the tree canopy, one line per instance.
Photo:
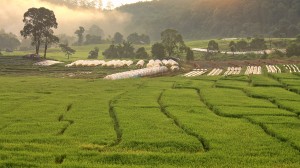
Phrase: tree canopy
(38, 25)
(135, 38)
(67, 50)
(8, 41)
(158, 51)
(118, 38)
(213, 45)
(172, 41)
(293, 48)
(79, 34)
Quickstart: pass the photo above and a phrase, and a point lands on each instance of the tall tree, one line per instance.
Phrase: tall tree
(134, 38)
(95, 30)
(141, 53)
(189, 54)
(172, 41)
(212, 45)
(158, 51)
(38, 23)
(128, 50)
(79, 33)
(48, 40)
(118, 38)
(232, 46)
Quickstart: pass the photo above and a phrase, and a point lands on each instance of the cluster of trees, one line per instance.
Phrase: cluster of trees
(171, 45)
(8, 41)
(124, 50)
(216, 18)
(242, 45)
(39, 24)
(93, 35)
(133, 38)
(294, 47)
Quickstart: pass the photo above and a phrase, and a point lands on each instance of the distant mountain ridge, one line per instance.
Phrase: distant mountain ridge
(216, 18)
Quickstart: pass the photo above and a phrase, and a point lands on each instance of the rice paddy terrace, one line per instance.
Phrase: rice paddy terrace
(61, 116)
(205, 121)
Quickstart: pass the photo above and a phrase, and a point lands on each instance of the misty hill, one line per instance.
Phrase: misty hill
(216, 18)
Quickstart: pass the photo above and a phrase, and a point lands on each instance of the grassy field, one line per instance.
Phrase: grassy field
(82, 52)
(48, 119)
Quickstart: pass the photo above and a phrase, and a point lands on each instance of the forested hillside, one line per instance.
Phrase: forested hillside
(216, 18)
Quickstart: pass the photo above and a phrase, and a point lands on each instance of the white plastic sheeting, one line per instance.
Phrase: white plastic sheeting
(47, 63)
(292, 68)
(112, 63)
(158, 63)
(233, 71)
(174, 68)
(215, 72)
(256, 70)
(140, 63)
(273, 69)
(137, 73)
(195, 72)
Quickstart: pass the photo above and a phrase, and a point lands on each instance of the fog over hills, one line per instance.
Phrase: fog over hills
(195, 19)
(217, 18)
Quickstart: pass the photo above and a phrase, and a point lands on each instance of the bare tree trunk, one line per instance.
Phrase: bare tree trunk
(46, 47)
(38, 47)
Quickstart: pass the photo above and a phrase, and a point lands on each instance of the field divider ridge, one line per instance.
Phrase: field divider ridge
(188, 131)
(273, 134)
(262, 126)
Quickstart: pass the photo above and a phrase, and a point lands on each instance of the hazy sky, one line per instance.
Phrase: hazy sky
(118, 3)
(69, 19)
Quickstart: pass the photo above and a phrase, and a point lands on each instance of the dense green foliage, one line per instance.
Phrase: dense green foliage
(118, 38)
(141, 53)
(94, 53)
(294, 48)
(123, 50)
(189, 55)
(135, 38)
(8, 41)
(216, 18)
(172, 42)
(80, 36)
(67, 50)
(158, 51)
(38, 25)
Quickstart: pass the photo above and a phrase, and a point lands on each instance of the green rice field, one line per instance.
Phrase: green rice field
(50, 120)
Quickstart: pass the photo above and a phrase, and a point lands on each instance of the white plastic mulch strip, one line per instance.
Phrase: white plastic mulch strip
(273, 69)
(233, 71)
(292, 68)
(137, 73)
(215, 72)
(255, 70)
(195, 72)
(47, 63)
